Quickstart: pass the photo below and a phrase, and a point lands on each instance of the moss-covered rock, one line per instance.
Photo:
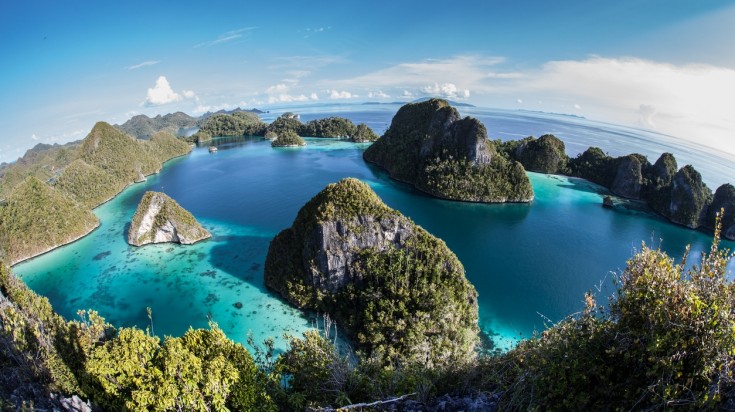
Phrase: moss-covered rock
(399, 292)
(594, 165)
(431, 147)
(544, 155)
(37, 218)
(724, 200)
(288, 138)
(629, 179)
(238, 123)
(658, 181)
(160, 219)
(690, 198)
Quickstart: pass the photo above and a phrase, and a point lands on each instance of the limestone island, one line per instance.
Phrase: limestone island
(399, 293)
(288, 138)
(159, 219)
(678, 194)
(431, 147)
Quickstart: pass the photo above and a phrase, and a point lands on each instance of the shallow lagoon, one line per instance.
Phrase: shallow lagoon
(531, 264)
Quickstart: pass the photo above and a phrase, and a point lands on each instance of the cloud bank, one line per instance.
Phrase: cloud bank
(162, 93)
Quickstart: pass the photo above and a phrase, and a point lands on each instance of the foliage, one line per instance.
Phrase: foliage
(239, 123)
(144, 127)
(429, 146)
(201, 137)
(498, 181)
(89, 185)
(690, 198)
(667, 340)
(43, 161)
(407, 304)
(37, 217)
(288, 138)
(545, 154)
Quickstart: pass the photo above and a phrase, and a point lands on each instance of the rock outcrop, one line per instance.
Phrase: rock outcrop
(723, 201)
(430, 146)
(657, 190)
(160, 219)
(544, 155)
(629, 176)
(399, 292)
(690, 198)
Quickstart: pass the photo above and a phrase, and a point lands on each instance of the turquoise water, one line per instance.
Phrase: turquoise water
(531, 264)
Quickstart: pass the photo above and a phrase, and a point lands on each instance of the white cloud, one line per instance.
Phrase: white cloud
(378, 95)
(189, 94)
(227, 37)
(287, 98)
(464, 73)
(34, 137)
(519, 101)
(143, 64)
(278, 88)
(448, 90)
(692, 102)
(161, 93)
(314, 96)
(576, 106)
(335, 94)
(406, 94)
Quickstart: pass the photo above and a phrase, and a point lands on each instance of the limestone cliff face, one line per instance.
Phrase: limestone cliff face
(430, 146)
(628, 177)
(399, 293)
(544, 155)
(336, 246)
(724, 200)
(160, 219)
(690, 198)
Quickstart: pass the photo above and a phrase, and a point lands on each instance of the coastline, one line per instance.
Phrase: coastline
(74, 239)
(442, 197)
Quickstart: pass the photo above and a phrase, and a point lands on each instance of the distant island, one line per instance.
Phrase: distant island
(431, 147)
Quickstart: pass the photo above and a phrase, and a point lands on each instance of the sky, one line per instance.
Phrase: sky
(661, 65)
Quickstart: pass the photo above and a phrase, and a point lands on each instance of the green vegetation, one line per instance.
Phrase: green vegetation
(37, 218)
(330, 127)
(159, 218)
(239, 123)
(288, 138)
(144, 127)
(88, 185)
(498, 181)
(125, 369)
(429, 146)
(545, 154)
(200, 137)
(393, 296)
(43, 162)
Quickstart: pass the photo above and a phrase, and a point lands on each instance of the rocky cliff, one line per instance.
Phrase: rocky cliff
(544, 155)
(399, 292)
(430, 146)
(723, 201)
(160, 219)
(690, 198)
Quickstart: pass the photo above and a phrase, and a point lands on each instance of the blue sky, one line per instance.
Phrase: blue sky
(667, 66)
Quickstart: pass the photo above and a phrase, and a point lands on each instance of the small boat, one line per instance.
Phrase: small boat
(212, 149)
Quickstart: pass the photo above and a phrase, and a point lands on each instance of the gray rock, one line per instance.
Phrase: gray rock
(160, 219)
(628, 178)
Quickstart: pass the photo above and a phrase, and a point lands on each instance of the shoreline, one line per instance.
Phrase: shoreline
(52, 248)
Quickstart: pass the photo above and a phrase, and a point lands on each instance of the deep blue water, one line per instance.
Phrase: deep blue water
(529, 263)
